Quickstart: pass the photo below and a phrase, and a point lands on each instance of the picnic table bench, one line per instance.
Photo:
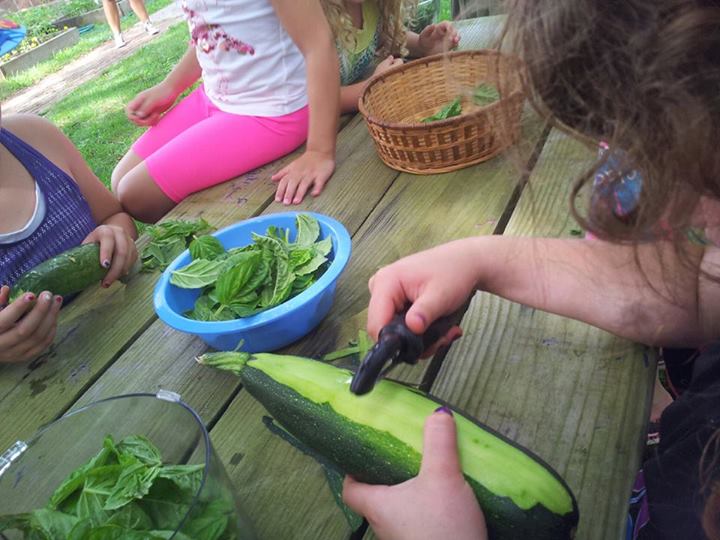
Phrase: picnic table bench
(575, 395)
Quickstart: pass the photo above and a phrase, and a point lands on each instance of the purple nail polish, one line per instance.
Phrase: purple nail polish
(106, 263)
(444, 409)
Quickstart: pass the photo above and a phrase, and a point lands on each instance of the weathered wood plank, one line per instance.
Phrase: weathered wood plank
(163, 358)
(575, 395)
(100, 324)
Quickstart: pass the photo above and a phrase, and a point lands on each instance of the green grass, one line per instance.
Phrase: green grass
(93, 116)
(88, 41)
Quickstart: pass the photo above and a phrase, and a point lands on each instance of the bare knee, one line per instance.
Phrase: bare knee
(128, 162)
(141, 197)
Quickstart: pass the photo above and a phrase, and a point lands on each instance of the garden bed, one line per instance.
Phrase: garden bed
(43, 51)
(95, 16)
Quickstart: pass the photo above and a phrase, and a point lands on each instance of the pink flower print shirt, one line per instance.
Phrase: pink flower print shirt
(250, 65)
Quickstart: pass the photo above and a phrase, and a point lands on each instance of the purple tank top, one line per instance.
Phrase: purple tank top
(67, 221)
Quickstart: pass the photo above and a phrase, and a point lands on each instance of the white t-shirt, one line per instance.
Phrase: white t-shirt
(250, 65)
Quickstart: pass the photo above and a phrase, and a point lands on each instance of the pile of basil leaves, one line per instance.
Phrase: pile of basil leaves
(125, 492)
(243, 281)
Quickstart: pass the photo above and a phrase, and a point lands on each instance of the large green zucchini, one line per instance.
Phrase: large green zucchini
(377, 438)
(68, 273)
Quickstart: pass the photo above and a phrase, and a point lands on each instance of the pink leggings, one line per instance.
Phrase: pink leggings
(196, 145)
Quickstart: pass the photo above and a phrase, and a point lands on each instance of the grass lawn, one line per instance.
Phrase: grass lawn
(93, 116)
(88, 41)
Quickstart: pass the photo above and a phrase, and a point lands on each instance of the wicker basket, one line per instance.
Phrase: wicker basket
(394, 103)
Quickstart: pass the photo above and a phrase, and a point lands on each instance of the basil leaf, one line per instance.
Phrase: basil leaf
(204, 309)
(308, 268)
(20, 522)
(211, 520)
(177, 228)
(454, 108)
(165, 504)
(197, 274)
(206, 247)
(245, 310)
(301, 256)
(77, 477)
(141, 448)
(51, 524)
(302, 282)
(324, 246)
(188, 478)
(134, 482)
(168, 240)
(231, 281)
(308, 230)
(485, 93)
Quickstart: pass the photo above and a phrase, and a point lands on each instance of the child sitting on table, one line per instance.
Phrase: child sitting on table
(50, 201)
(644, 76)
(269, 83)
(371, 38)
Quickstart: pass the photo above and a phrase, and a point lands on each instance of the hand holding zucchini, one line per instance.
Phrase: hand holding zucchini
(68, 273)
(377, 438)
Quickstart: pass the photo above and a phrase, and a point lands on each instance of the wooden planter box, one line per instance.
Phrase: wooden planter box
(96, 16)
(48, 49)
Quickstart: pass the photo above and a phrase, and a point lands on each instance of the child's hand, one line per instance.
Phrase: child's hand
(438, 503)
(310, 169)
(388, 63)
(28, 325)
(438, 38)
(436, 282)
(146, 108)
(117, 251)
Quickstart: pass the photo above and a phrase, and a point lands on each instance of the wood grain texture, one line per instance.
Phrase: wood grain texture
(99, 325)
(164, 358)
(573, 394)
(283, 491)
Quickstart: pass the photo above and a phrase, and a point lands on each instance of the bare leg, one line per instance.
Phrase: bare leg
(112, 15)
(138, 6)
(141, 197)
(128, 162)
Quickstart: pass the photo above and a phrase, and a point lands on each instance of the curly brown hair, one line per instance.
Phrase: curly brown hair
(393, 32)
(644, 76)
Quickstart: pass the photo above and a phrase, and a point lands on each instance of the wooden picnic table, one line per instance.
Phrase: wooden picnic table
(575, 395)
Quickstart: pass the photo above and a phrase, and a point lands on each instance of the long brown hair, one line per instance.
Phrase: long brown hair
(643, 75)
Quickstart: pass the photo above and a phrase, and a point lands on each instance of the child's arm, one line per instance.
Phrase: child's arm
(116, 231)
(304, 21)
(667, 303)
(351, 94)
(434, 39)
(146, 108)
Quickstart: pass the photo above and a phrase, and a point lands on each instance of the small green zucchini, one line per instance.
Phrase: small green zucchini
(377, 438)
(68, 273)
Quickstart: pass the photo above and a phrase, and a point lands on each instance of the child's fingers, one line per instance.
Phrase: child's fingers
(319, 184)
(12, 313)
(302, 190)
(45, 332)
(280, 193)
(362, 498)
(27, 327)
(103, 235)
(291, 187)
(119, 256)
(387, 298)
(279, 175)
(440, 454)
(4, 296)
